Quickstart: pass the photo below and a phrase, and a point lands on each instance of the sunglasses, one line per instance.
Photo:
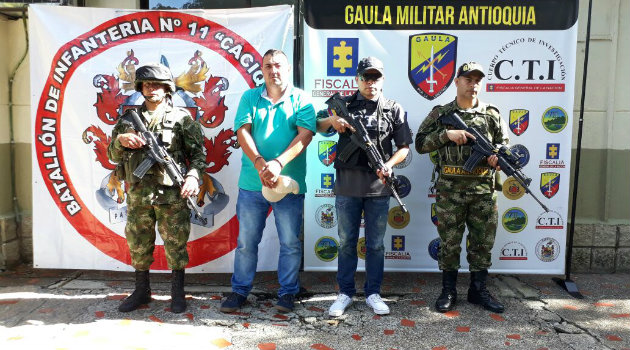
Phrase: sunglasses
(371, 76)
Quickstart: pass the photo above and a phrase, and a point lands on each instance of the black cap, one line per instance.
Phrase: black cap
(368, 63)
(470, 67)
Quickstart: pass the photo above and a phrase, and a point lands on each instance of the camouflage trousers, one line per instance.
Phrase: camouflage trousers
(151, 203)
(455, 211)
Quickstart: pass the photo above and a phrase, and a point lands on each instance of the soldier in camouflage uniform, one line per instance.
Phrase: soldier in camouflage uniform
(463, 198)
(154, 198)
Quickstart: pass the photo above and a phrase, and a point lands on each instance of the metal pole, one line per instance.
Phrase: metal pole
(567, 283)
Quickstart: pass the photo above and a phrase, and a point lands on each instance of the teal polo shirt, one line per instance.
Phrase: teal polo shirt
(274, 126)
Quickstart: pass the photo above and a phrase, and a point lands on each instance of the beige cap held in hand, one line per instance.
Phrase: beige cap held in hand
(285, 185)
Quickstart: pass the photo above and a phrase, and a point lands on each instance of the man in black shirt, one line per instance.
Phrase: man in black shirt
(360, 188)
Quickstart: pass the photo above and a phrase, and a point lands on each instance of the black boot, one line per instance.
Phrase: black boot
(448, 298)
(178, 297)
(478, 294)
(141, 295)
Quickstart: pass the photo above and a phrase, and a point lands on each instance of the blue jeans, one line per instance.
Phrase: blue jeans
(251, 211)
(349, 220)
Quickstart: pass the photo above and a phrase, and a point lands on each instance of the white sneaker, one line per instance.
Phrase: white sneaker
(340, 305)
(376, 303)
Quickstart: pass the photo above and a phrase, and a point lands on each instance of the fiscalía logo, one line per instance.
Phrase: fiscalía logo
(343, 56)
(432, 63)
(554, 119)
(522, 153)
(326, 216)
(514, 220)
(512, 189)
(552, 157)
(549, 184)
(513, 251)
(434, 248)
(549, 220)
(547, 249)
(397, 218)
(326, 248)
(434, 218)
(327, 152)
(519, 121)
(398, 243)
(327, 185)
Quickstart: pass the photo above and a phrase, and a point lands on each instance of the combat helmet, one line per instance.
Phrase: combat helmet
(154, 72)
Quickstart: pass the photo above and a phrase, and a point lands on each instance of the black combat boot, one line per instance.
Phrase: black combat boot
(178, 297)
(478, 294)
(140, 296)
(448, 298)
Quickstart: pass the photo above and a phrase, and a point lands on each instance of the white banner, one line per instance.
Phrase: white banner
(529, 76)
(83, 64)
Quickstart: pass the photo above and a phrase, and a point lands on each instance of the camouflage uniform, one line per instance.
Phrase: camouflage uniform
(464, 198)
(154, 199)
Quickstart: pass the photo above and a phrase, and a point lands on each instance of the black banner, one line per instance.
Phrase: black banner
(441, 15)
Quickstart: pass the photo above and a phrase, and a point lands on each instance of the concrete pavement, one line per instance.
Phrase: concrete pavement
(77, 309)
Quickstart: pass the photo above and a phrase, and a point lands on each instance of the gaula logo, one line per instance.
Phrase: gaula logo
(343, 56)
(327, 151)
(432, 63)
(434, 218)
(519, 121)
(549, 184)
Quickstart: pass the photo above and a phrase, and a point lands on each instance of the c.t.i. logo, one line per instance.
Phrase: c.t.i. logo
(327, 151)
(549, 184)
(343, 56)
(553, 151)
(432, 63)
(519, 121)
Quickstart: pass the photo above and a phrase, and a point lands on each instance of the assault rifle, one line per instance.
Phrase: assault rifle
(157, 153)
(361, 138)
(482, 147)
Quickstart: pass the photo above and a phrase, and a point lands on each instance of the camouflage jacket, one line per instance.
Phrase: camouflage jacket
(175, 129)
(450, 158)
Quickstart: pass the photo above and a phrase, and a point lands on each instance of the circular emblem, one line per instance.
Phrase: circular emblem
(405, 161)
(434, 248)
(326, 248)
(514, 220)
(554, 119)
(403, 185)
(326, 216)
(397, 219)
(547, 249)
(361, 249)
(522, 153)
(512, 189)
(67, 188)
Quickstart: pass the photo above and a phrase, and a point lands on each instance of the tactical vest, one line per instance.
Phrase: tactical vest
(349, 155)
(164, 132)
(451, 158)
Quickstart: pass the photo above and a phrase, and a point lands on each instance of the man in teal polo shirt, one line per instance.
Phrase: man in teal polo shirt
(274, 123)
